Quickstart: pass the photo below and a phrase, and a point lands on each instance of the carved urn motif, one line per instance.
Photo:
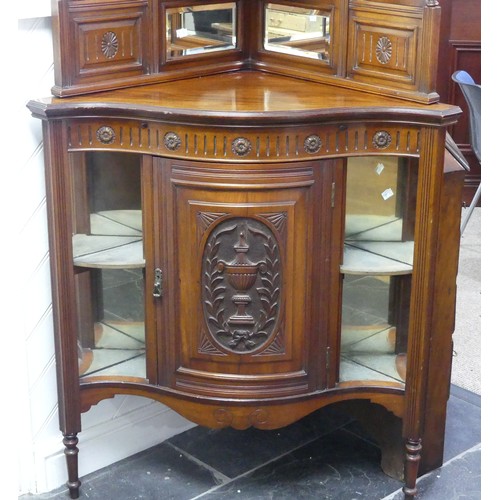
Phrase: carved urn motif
(241, 274)
(242, 278)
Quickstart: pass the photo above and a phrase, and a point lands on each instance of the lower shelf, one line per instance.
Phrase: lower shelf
(118, 351)
(368, 353)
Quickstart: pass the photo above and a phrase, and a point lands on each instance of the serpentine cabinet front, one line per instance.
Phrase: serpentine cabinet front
(250, 270)
(236, 261)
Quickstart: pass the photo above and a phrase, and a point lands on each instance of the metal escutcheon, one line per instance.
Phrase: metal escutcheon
(158, 283)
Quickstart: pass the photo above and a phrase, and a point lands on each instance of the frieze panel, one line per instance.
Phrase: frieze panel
(184, 143)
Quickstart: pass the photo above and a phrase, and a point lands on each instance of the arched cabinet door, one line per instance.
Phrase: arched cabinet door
(238, 314)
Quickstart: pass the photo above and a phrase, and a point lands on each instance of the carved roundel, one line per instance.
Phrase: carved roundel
(172, 141)
(223, 416)
(312, 144)
(381, 139)
(383, 50)
(109, 44)
(241, 146)
(106, 135)
(241, 285)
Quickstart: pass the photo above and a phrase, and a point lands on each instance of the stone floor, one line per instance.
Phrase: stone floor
(323, 456)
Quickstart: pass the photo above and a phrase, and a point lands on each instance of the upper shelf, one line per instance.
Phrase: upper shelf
(378, 258)
(115, 241)
(373, 246)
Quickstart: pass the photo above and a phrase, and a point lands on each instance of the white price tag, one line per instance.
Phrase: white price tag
(181, 32)
(379, 168)
(387, 194)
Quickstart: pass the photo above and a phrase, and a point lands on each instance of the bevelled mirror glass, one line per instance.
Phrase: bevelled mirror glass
(299, 31)
(198, 29)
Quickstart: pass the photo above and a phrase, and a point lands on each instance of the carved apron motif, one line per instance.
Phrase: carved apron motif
(241, 280)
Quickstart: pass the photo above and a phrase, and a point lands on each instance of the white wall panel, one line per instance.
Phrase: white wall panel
(34, 190)
(40, 347)
(115, 428)
(33, 8)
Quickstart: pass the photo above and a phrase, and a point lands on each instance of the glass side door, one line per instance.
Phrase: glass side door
(377, 268)
(109, 264)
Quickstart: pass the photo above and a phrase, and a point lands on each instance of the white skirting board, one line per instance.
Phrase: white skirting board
(108, 442)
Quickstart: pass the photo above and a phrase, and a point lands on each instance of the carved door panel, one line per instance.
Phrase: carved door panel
(241, 284)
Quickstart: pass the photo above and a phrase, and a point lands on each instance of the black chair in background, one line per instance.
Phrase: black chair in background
(472, 94)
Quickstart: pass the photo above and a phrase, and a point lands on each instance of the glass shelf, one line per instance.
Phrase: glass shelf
(115, 241)
(375, 258)
(119, 350)
(368, 354)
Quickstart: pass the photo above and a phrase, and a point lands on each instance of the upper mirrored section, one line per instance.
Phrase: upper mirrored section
(303, 32)
(200, 28)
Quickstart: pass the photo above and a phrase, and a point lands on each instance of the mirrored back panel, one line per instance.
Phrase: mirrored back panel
(198, 29)
(299, 31)
(388, 47)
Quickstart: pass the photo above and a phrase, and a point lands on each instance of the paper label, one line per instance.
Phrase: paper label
(387, 194)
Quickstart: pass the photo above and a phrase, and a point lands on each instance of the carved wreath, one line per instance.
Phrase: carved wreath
(269, 294)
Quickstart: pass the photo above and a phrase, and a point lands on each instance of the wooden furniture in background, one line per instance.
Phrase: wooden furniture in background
(460, 49)
(278, 234)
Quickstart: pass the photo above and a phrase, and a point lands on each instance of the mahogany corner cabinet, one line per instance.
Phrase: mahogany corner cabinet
(253, 215)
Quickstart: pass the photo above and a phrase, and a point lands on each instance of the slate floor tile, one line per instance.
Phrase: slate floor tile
(325, 456)
(234, 452)
(458, 479)
(339, 466)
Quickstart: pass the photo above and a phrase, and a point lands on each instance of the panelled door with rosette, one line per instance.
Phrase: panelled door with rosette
(241, 286)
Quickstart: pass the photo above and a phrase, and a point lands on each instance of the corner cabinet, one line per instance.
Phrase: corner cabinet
(248, 245)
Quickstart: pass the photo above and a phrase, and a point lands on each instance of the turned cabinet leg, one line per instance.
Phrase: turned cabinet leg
(413, 448)
(70, 442)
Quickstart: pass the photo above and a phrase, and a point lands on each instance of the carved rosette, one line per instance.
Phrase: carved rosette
(312, 144)
(241, 292)
(109, 44)
(381, 139)
(383, 50)
(241, 146)
(172, 141)
(106, 135)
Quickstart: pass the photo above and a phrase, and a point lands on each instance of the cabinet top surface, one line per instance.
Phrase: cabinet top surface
(242, 96)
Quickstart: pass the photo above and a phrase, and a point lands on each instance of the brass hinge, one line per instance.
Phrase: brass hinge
(328, 353)
(332, 196)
